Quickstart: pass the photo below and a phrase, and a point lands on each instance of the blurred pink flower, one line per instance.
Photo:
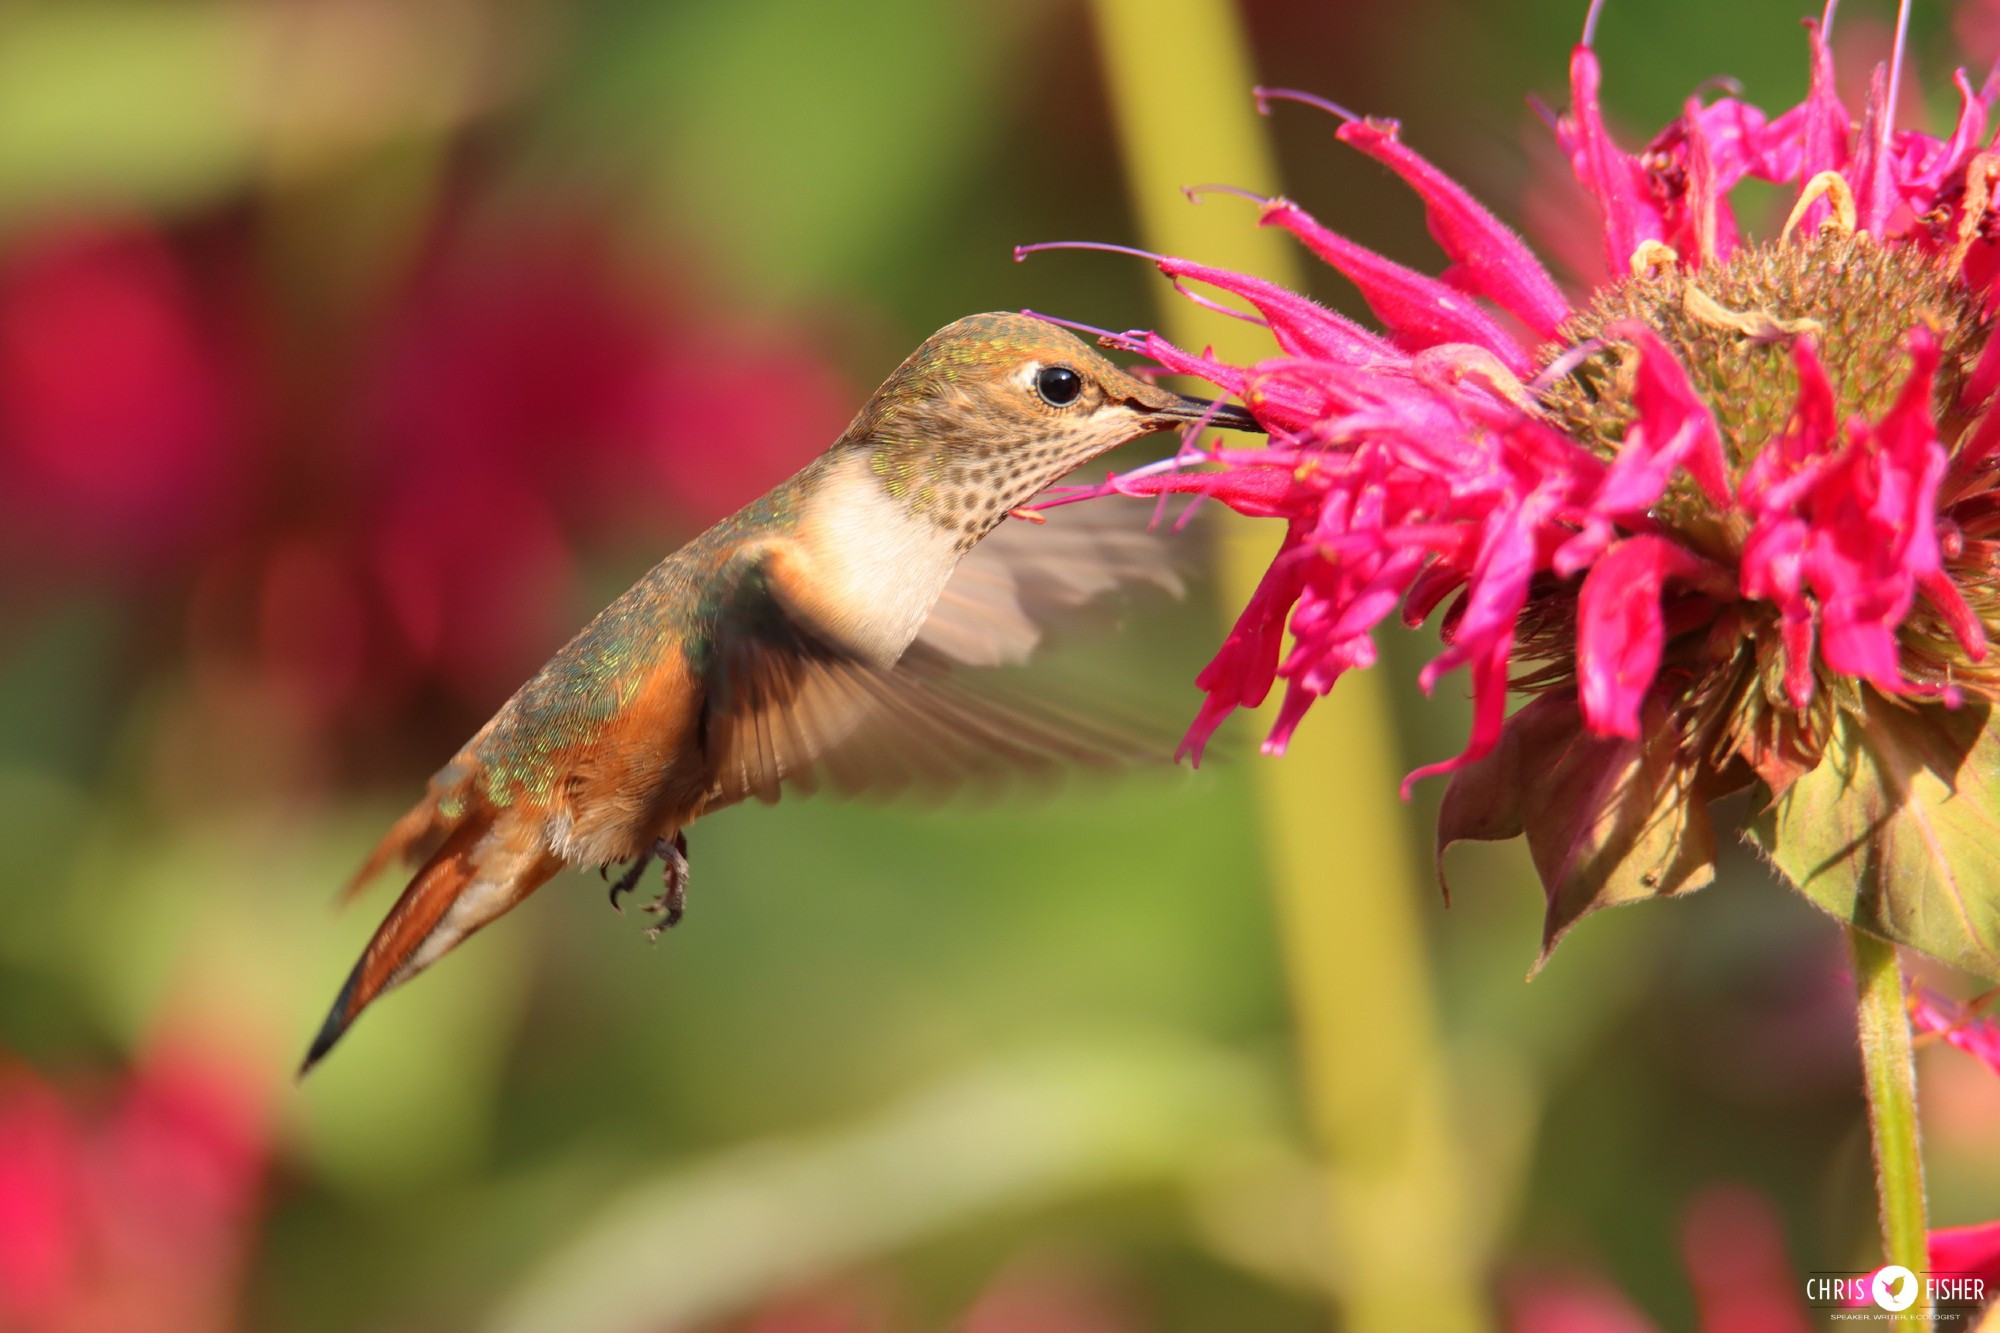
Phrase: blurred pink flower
(1956, 1024)
(1050, 1294)
(1972, 1251)
(134, 1216)
(117, 428)
(1555, 1301)
(529, 389)
(367, 499)
(1734, 1247)
(1969, 1253)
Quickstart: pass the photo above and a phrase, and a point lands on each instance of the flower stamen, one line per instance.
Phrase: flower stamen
(1654, 257)
(1759, 326)
(1834, 187)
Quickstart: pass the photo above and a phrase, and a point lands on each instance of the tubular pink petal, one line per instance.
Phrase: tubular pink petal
(1421, 311)
(1923, 179)
(1212, 714)
(1874, 192)
(1709, 230)
(1741, 142)
(1438, 581)
(1614, 179)
(1984, 379)
(1497, 262)
(1302, 326)
(1942, 593)
(1489, 714)
(1771, 569)
(1498, 586)
(1824, 125)
(1674, 430)
(1979, 1037)
(1620, 630)
(1776, 474)
(1291, 712)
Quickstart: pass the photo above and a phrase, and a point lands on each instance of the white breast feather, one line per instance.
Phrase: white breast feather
(878, 569)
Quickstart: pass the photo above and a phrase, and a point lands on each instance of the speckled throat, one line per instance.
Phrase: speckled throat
(989, 467)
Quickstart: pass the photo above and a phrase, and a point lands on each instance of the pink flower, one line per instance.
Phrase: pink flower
(1733, 1244)
(1966, 1256)
(355, 506)
(1957, 1025)
(116, 433)
(1731, 511)
(1972, 1252)
(136, 1215)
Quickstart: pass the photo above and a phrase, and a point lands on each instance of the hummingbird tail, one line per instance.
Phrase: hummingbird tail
(490, 861)
(411, 839)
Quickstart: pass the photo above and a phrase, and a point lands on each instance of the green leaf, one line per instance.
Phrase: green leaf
(1898, 830)
(1608, 821)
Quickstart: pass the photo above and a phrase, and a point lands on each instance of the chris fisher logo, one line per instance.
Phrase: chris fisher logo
(1894, 1289)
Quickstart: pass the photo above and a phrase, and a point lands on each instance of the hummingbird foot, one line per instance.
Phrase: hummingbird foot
(674, 881)
(630, 879)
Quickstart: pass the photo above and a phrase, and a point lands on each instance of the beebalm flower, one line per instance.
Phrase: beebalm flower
(1729, 520)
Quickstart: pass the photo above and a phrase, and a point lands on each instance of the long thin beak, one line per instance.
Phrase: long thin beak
(1222, 416)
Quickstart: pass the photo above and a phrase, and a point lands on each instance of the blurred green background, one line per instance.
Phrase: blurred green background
(353, 352)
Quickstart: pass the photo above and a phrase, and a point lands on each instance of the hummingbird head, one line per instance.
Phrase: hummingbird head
(993, 408)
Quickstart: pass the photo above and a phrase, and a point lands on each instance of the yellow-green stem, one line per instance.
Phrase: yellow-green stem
(1347, 890)
(1889, 1078)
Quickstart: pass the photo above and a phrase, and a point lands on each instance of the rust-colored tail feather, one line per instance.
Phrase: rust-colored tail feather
(487, 863)
(414, 837)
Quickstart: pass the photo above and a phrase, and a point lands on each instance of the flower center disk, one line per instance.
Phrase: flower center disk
(1731, 326)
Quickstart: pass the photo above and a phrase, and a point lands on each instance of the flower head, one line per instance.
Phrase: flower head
(1729, 518)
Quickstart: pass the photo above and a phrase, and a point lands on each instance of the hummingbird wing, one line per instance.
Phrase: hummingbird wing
(790, 706)
(1025, 577)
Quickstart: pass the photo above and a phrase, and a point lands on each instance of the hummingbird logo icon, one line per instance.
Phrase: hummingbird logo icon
(1894, 1288)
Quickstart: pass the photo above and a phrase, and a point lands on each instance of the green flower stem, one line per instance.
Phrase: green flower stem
(1890, 1080)
(1401, 1253)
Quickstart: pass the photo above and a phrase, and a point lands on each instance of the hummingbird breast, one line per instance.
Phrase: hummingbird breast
(870, 569)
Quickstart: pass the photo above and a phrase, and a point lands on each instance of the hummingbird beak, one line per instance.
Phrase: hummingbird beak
(1182, 410)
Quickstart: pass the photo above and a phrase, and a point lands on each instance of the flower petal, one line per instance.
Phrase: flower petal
(1497, 263)
(1421, 311)
(1614, 178)
(1620, 630)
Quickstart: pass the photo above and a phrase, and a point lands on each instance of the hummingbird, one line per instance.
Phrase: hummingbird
(808, 640)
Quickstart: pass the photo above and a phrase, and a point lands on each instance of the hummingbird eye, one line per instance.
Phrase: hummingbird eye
(1058, 385)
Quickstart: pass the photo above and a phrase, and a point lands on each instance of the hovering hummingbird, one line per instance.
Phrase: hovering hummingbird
(806, 639)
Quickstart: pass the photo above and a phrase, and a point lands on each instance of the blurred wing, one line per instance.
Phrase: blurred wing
(790, 707)
(1026, 576)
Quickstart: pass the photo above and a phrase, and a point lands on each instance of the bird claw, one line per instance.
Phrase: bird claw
(674, 880)
(630, 879)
